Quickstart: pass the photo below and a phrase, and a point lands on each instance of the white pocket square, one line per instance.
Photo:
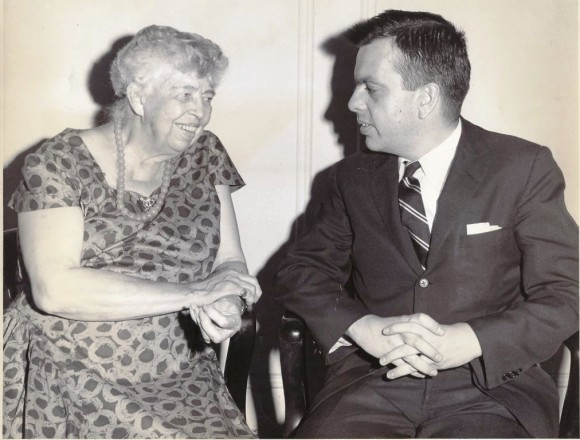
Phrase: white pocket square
(481, 228)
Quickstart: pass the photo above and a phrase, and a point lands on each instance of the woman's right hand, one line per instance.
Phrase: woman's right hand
(219, 320)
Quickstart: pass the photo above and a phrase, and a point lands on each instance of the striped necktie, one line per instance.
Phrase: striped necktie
(413, 212)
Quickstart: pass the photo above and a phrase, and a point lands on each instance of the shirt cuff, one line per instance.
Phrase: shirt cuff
(340, 343)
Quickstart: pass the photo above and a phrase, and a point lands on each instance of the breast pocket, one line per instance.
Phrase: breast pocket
(487, 241)
(487, 265)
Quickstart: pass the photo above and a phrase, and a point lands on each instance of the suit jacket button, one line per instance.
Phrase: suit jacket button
(424, 282)
(505, 376)
(511, 374)
(519, 371)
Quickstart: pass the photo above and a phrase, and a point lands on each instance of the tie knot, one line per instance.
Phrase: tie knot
(411, 168)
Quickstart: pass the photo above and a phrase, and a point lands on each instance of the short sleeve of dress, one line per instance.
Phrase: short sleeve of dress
(49, 178)
(222, 170)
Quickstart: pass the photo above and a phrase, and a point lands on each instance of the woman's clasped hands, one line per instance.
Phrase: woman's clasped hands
(227, 292)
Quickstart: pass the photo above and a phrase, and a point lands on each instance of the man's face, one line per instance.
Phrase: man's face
(386, 113)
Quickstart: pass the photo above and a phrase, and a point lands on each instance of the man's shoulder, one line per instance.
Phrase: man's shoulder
(499, 144)
(364, 161)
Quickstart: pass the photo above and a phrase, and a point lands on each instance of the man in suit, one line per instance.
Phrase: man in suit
(462, 257)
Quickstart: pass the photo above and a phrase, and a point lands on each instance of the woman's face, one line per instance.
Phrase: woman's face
(176, 108)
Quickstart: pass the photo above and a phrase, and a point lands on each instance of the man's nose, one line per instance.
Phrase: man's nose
(355, 102)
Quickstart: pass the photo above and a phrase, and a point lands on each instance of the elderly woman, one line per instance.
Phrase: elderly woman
(130, 241)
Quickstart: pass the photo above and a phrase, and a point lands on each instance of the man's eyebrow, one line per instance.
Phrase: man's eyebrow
(369, 80)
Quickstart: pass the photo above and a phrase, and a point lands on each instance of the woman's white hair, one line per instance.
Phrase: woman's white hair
(156, 46)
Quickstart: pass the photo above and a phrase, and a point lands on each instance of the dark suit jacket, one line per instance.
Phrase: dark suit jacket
(517, 287)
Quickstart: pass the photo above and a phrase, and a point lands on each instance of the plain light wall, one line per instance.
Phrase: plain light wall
(272, 109)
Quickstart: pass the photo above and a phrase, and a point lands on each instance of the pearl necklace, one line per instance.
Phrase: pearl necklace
(151, 208)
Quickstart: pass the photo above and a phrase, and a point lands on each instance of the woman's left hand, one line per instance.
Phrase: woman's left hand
(219, 320)
(237, 272)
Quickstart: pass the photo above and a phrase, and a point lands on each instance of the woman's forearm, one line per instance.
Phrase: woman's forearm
(237, 265)
(99, 295)
(52, 241)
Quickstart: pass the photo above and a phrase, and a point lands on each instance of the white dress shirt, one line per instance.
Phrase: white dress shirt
(433, 172)
(431, 176)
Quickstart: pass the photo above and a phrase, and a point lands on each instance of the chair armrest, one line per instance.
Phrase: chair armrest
(292, 359)
(239, 359)
(569, 420)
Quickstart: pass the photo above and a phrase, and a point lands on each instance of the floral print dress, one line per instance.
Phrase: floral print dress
(142, 378)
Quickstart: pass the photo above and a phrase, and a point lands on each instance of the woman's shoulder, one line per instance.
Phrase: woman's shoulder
(65, 151)
(208, 144)
(209, 139)
(67, 141)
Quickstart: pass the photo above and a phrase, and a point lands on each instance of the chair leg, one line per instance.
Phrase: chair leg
(239, 359)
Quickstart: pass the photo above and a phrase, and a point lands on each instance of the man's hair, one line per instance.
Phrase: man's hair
(431, 50)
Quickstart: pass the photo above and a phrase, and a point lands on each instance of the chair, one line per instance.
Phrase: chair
(241, 346)
(239, 358)
(294, 336)
(12, 272)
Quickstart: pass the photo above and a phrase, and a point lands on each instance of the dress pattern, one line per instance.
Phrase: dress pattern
(143, 378)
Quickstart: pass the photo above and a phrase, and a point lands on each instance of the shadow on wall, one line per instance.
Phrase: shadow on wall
(103, 95)
(99, 83)
(268, 312)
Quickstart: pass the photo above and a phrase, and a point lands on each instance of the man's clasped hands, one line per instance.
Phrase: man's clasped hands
(416, 345)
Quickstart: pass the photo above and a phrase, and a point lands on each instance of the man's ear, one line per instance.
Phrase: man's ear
(428, 98)
(135, 97)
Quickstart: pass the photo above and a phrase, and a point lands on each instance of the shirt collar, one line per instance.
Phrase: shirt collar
(436, 163)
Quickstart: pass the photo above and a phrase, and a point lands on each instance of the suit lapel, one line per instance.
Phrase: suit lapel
(384, 188)
(466, 173)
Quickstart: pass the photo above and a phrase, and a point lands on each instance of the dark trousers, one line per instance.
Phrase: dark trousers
(446, 406)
